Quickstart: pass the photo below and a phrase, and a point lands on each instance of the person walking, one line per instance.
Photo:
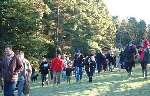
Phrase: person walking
(50, 70)
(69, 69)
(99, 60)
(90, 66)
(144, 53)
(24, 76)
(78, 65)
(63, 73)
(57, 65)
(129, 59)
(110, 61)
(10, 66)
(44, 70)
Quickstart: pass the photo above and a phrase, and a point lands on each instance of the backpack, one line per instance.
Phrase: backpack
(44, 68)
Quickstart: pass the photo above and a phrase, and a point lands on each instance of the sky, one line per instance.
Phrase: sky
(129, 8)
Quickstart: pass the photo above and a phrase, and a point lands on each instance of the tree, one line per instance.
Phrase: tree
(130, 30)
(30, 25)
(20, 27)
(85, 23)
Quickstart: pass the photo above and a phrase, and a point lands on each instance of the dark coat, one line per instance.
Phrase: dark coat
(44, 68)
(10, 71)
(129, 56)
(99, 60)
(78, 61)
(146, 58)
(90, 66)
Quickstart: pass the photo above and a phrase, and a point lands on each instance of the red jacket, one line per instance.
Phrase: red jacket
(57, 64)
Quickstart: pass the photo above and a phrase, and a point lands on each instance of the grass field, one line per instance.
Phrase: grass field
(115, 83)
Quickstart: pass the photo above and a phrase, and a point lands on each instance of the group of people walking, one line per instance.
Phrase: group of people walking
(132, 53)
(65, 66)
(16, 70)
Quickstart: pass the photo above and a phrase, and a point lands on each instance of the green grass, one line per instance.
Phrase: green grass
(106, 84)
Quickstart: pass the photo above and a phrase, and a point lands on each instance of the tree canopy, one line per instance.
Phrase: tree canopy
(30, 25)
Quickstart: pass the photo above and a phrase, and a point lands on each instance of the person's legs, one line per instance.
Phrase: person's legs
(80, 73)
(127, 66)
(51, 73)
(45, 76)
(67, 78)
(20, 87)
(9, 88)
(77, 73)
(130, 68)
(27, 88)
(90, 75)
(142, 66)
(54, 77)
(100, 68)
(58, 77)
(46, 79)
(6, 89)
(1, 83)
(105, 66)
(42, 76)
(13, 86)
(145, 70)
(87, 72)
(109, 66)
(64, 75)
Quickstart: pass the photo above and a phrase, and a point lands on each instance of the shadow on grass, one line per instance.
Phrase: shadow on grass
(138, 91)
(105, 84)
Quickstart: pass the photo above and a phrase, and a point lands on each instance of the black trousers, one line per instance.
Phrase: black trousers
(90, 72)
(44, 78)
(110, 64)
(51, 74)
(144, 68)
(99, 67)
(128, 66)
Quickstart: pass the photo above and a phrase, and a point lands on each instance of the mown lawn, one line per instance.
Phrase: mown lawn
(114, 83)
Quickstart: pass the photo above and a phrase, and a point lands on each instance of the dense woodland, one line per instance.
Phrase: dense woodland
(37, 26)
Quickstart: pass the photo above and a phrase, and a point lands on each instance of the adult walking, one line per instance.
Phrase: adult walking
(24, 76)
(144, 57)
(10, 67)
(129, 59)
(78, 65)
(57, 65)
(44, 70)
(99, 60)
(110, 61)
(90, 66)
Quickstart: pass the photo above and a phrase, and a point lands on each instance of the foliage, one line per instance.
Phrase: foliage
(83, 22)
(30, 26)
(128, 30)
(20, 26)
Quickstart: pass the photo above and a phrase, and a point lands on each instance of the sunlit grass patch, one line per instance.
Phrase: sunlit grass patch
(115, 83)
